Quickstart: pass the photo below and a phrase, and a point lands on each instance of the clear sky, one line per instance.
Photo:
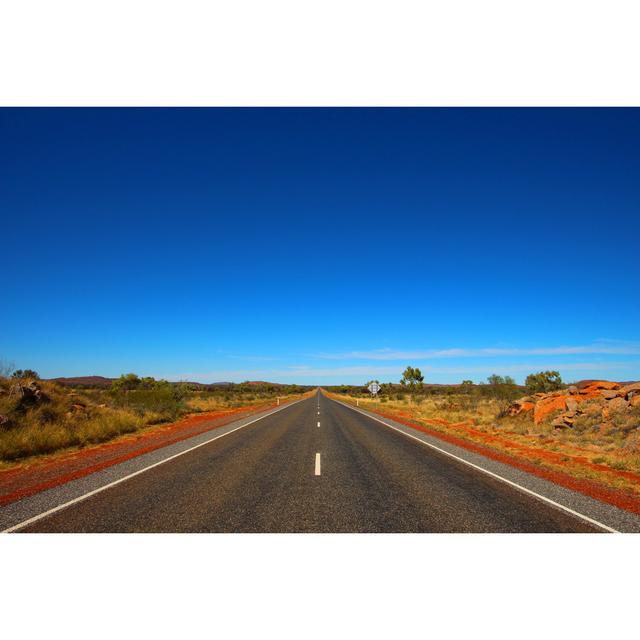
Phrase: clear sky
(321, 245)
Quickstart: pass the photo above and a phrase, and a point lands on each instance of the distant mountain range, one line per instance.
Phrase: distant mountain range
(102, 382)
(84, 381)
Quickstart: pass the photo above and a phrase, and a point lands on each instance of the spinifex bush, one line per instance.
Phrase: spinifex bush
(34, 438)
(64, 419)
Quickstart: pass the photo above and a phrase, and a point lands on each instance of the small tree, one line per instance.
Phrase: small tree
(496, 380)
(543, 382)
(503, 388)
(126, 382)
(466, 386)
(412, 377)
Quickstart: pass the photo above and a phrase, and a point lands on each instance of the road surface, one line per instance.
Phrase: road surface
(314, 466)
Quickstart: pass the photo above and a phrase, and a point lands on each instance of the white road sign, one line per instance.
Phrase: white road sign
(374, 387)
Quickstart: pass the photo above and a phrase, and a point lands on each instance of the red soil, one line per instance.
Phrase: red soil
(31, 477)
(520, 456)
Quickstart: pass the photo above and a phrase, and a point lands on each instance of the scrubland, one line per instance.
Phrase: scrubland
(39, 417)
(587, 432)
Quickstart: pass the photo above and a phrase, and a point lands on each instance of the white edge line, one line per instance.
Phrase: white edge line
(490, 473)
(64, 505)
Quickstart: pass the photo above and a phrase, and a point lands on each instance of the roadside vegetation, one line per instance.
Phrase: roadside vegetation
(590, 431)
(40, 417)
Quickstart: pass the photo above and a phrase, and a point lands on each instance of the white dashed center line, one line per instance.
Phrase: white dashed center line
(317, 464)
(318, 422)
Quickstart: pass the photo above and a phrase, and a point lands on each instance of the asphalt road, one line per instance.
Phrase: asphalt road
(284, 473)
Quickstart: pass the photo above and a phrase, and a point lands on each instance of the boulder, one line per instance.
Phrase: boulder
(607, 394)
(29, 393)
(630, 388)
(588, 394)
(548, 405)
(598, 384)
(617, 405)
(520, 406)
(593, 407)
(559, 423)
(635, 400)
(573, 389)
(572, 404)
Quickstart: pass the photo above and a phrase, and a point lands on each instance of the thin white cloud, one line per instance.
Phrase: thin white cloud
(252, 357)
(289, 372)
(487, 352)
(338, 373)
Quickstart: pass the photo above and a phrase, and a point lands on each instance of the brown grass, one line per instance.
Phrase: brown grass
(56, 424)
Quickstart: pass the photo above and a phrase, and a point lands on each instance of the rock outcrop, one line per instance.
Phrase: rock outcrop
(605, 397)
(29, 394)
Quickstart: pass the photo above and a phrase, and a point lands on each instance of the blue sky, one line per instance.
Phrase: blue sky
(321, 245)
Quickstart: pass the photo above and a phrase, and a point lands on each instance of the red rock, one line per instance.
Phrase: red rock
(572, 404)
(588, 395)
(630, 388)
(548, 405)
(592, 385)
(617, 405)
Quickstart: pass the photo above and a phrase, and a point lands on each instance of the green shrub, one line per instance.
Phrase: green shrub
(26, 374)
(543, 382)
(167, 402)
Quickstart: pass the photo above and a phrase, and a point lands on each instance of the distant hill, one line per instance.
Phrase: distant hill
(253, 383)
(101, 382)
(585, 383)
(84, 381)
